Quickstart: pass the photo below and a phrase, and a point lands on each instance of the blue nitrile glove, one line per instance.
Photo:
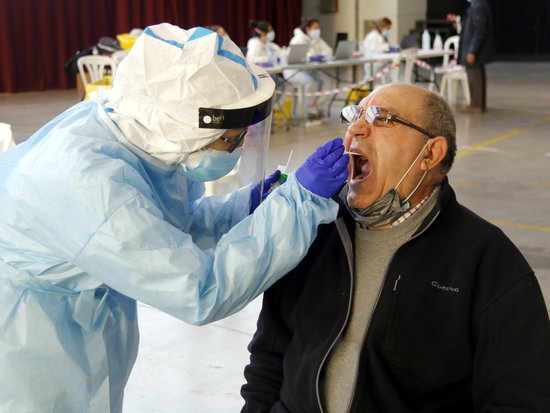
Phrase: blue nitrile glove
(317, 58)
(255, 198)
(326, 170)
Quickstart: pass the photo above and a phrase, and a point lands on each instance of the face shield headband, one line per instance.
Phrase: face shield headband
(216, 118)
(256, 121)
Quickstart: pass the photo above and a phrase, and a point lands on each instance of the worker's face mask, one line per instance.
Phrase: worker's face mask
(270, 36)
(210, 164)
(386, 33)
(315, 33)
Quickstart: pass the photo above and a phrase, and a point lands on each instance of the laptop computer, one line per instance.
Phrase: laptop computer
(344, 50)
(297, 53)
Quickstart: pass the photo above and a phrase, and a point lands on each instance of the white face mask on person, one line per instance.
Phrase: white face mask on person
(388, 207)
(270, 36)
(210, 164)
(386, 34)
(315, 33)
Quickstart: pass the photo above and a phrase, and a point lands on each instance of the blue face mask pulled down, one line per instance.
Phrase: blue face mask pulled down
(210, 165)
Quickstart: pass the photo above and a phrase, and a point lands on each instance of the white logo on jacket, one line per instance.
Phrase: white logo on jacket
(445, 288)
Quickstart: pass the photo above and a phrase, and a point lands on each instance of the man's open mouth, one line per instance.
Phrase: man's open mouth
(361, 167)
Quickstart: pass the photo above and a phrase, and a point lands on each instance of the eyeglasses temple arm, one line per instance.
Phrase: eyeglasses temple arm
(410, 125)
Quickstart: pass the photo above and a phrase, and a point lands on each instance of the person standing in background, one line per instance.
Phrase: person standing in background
(476, 49)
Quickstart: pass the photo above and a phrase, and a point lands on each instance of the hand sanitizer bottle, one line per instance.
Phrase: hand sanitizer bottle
(426, 40)
(438, 42)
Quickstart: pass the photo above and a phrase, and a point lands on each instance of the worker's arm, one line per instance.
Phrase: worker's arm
(142, 256)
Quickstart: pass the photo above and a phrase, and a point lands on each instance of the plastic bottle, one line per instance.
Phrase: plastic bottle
(426, 40)
(270, 57)
(438, 42)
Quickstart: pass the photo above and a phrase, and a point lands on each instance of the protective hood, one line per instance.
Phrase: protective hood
(178, 90)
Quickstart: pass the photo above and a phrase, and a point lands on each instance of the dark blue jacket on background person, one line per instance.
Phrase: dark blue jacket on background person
(477, 35)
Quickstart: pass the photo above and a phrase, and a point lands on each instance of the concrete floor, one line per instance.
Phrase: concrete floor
(502, 172)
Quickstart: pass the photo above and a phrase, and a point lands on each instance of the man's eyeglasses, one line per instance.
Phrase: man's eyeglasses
(234, 143)
(377, 116)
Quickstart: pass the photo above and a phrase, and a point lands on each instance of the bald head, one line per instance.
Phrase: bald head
(429, 110)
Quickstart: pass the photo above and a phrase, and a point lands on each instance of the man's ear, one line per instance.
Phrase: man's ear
(436, 151)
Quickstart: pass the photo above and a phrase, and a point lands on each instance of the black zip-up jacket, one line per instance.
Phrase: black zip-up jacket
(460, 324)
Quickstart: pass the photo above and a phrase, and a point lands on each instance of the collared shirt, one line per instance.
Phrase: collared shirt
(411, 211)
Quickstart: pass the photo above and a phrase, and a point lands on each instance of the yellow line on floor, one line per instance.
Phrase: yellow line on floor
(502, 137)
(498, 139)
(514, 112)
(510, 224)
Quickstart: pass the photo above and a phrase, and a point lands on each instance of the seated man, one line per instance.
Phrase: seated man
(408, 302)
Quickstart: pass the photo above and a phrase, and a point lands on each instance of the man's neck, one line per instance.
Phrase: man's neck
(410, 212)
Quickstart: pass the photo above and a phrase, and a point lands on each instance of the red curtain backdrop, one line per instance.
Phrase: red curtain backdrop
(37, 37)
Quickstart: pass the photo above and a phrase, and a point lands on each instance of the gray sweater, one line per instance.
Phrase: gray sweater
(373, 252)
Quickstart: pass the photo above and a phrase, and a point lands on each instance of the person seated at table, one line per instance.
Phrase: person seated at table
(261, 49)
(377, 41)
(310, 33)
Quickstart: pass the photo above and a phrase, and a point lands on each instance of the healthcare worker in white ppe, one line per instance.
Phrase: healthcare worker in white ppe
(104, 206)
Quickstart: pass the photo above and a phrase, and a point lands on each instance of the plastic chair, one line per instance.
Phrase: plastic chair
(119, 56)
(95, 66)
(453, 73)
(408, 56)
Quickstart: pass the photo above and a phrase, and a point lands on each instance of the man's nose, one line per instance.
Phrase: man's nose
(360, 128)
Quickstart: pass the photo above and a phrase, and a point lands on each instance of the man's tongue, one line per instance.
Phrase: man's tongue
(365, 169)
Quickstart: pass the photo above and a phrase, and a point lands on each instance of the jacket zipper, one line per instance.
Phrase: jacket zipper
(376, 303)
(396, 282)
(346, 241)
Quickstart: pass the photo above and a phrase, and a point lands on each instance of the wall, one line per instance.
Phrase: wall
(352, 14)
(331, 23)
(408, 12)
(37, 37)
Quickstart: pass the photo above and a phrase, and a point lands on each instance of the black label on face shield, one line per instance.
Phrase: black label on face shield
(214, 118)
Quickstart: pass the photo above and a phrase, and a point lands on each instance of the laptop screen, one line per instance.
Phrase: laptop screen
(297, 53)
(344, 50)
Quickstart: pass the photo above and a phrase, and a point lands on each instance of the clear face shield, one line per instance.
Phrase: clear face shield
(257, 120)
(251, 168)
